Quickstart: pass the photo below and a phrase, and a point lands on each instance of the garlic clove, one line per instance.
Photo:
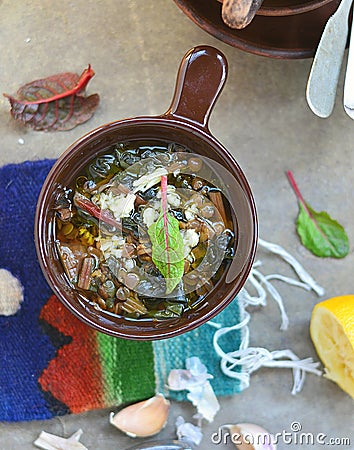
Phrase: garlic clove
(248, 436)
(144, 418)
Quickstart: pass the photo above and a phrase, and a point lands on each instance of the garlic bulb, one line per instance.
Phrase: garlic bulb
(248, 436)
(144, 418)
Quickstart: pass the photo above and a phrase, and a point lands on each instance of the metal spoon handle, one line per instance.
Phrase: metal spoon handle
(323, 79)
(349, 79)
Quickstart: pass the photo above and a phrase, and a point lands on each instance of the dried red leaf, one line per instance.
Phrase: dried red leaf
(56, 103)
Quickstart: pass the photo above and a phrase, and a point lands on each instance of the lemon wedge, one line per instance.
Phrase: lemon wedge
(332, 333)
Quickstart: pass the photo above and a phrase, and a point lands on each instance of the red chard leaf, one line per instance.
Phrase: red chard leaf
(318, 232)
(56, 103)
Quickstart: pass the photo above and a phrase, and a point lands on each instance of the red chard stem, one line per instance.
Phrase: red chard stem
(85, 77)
(296, 189)
(302, 201)
(164, 207)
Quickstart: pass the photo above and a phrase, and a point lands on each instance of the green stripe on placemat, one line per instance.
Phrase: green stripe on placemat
(135, 370)
(127, 368)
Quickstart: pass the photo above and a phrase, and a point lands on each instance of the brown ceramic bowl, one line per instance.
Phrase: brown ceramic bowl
(201, 76)
(283, 29)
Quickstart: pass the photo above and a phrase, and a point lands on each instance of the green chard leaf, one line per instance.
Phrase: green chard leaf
(318, 232)
(321, 234)
(167, 244)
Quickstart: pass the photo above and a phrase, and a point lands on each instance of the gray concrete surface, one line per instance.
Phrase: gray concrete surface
(262, 117)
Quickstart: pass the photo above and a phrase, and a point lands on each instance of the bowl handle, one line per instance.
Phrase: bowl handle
(200, 80)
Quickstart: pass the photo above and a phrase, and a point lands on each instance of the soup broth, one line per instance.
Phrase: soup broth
(146, 231)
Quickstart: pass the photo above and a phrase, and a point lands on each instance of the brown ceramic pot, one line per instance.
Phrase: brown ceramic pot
(201, 77)
(288, 29)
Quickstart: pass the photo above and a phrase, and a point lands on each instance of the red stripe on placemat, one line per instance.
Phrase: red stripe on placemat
(74, 376)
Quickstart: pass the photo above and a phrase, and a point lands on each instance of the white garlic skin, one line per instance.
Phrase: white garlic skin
(142, 419)
(249, 436)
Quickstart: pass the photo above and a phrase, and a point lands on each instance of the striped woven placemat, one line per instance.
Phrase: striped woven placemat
(51, 363)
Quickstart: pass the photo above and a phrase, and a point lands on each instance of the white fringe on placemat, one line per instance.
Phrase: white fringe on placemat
(239, 364)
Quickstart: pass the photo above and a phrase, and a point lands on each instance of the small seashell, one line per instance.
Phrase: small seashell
(144, 418)
(248, 436)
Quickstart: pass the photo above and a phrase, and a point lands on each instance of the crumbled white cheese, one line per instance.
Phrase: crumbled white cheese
(145, 182)
(190, 238)
(150, 216)
(191, 212)
(112, 245)
(173, 198)
(121, 205)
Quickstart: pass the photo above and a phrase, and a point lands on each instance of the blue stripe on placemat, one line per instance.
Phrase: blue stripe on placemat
(24, 349)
